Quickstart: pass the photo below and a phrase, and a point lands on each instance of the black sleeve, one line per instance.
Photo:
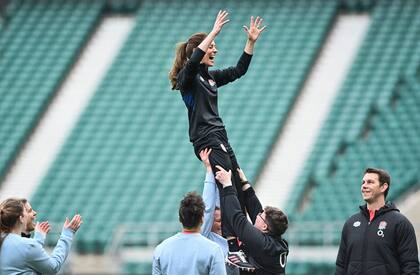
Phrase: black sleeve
(252, 204)
(407, 248)
(253, 238)
(340, 263)
(188, 72)
(223, 77)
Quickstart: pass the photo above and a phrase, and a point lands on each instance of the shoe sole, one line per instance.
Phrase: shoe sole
(249, 269)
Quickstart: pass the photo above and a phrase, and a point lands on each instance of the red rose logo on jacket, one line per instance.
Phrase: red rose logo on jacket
(381, 228)
(382, 225)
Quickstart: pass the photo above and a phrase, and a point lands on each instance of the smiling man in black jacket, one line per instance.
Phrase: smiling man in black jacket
(262, 239)
(378, 239)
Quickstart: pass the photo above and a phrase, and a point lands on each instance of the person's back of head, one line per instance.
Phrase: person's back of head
(191, 211)
(277, 220)
(10, 212)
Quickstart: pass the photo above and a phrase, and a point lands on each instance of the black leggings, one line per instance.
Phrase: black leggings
(222, 155)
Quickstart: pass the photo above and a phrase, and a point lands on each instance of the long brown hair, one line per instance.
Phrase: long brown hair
(10, 211)
(184, 51)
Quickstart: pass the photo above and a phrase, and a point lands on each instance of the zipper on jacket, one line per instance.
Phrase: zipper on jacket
(365, 243)
(364, 247)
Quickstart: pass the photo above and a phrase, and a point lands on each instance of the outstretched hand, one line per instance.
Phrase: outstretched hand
(254, 30)
(223, 176)
(43, 227)
(74, 224)
(221, 20)
(204, 155)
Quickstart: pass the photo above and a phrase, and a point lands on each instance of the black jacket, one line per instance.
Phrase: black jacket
(198, 88)
(266, 252)
(386, 245)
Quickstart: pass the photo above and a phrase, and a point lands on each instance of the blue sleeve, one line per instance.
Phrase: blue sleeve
(41, 262)
(39, 237)
(209, 197)
(189, 71)
(156, 270)
(218, 263)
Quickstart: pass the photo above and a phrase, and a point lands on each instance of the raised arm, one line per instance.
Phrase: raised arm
(252, 203)
(40, 261)
(254, 30)
(222, 77)
(188, 72)
(221, 20)
(209, 194)
(243, 229)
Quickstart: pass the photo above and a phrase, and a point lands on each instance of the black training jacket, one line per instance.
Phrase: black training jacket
(385, 246)
(266, 252)
(198, 88)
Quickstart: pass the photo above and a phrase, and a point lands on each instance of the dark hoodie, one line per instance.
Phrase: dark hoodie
(266, 252)
(385, 245)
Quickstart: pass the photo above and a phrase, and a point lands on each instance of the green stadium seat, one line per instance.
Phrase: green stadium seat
(39, 46)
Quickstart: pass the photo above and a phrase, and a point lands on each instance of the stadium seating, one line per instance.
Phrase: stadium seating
(128, 160)
(374, 122)
(357, 5)
(137, 268)
(313, 268)
(123, 6)
(38, 43)
(293, 268)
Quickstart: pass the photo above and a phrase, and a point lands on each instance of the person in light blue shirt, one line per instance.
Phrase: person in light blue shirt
(20, 255)
(40, 229)
(189, 252)
(212, 228)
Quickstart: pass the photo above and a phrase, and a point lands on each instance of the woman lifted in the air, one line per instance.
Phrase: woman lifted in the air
(198, 85)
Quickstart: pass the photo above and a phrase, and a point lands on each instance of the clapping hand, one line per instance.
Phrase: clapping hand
(74, 224)
(43, 228)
